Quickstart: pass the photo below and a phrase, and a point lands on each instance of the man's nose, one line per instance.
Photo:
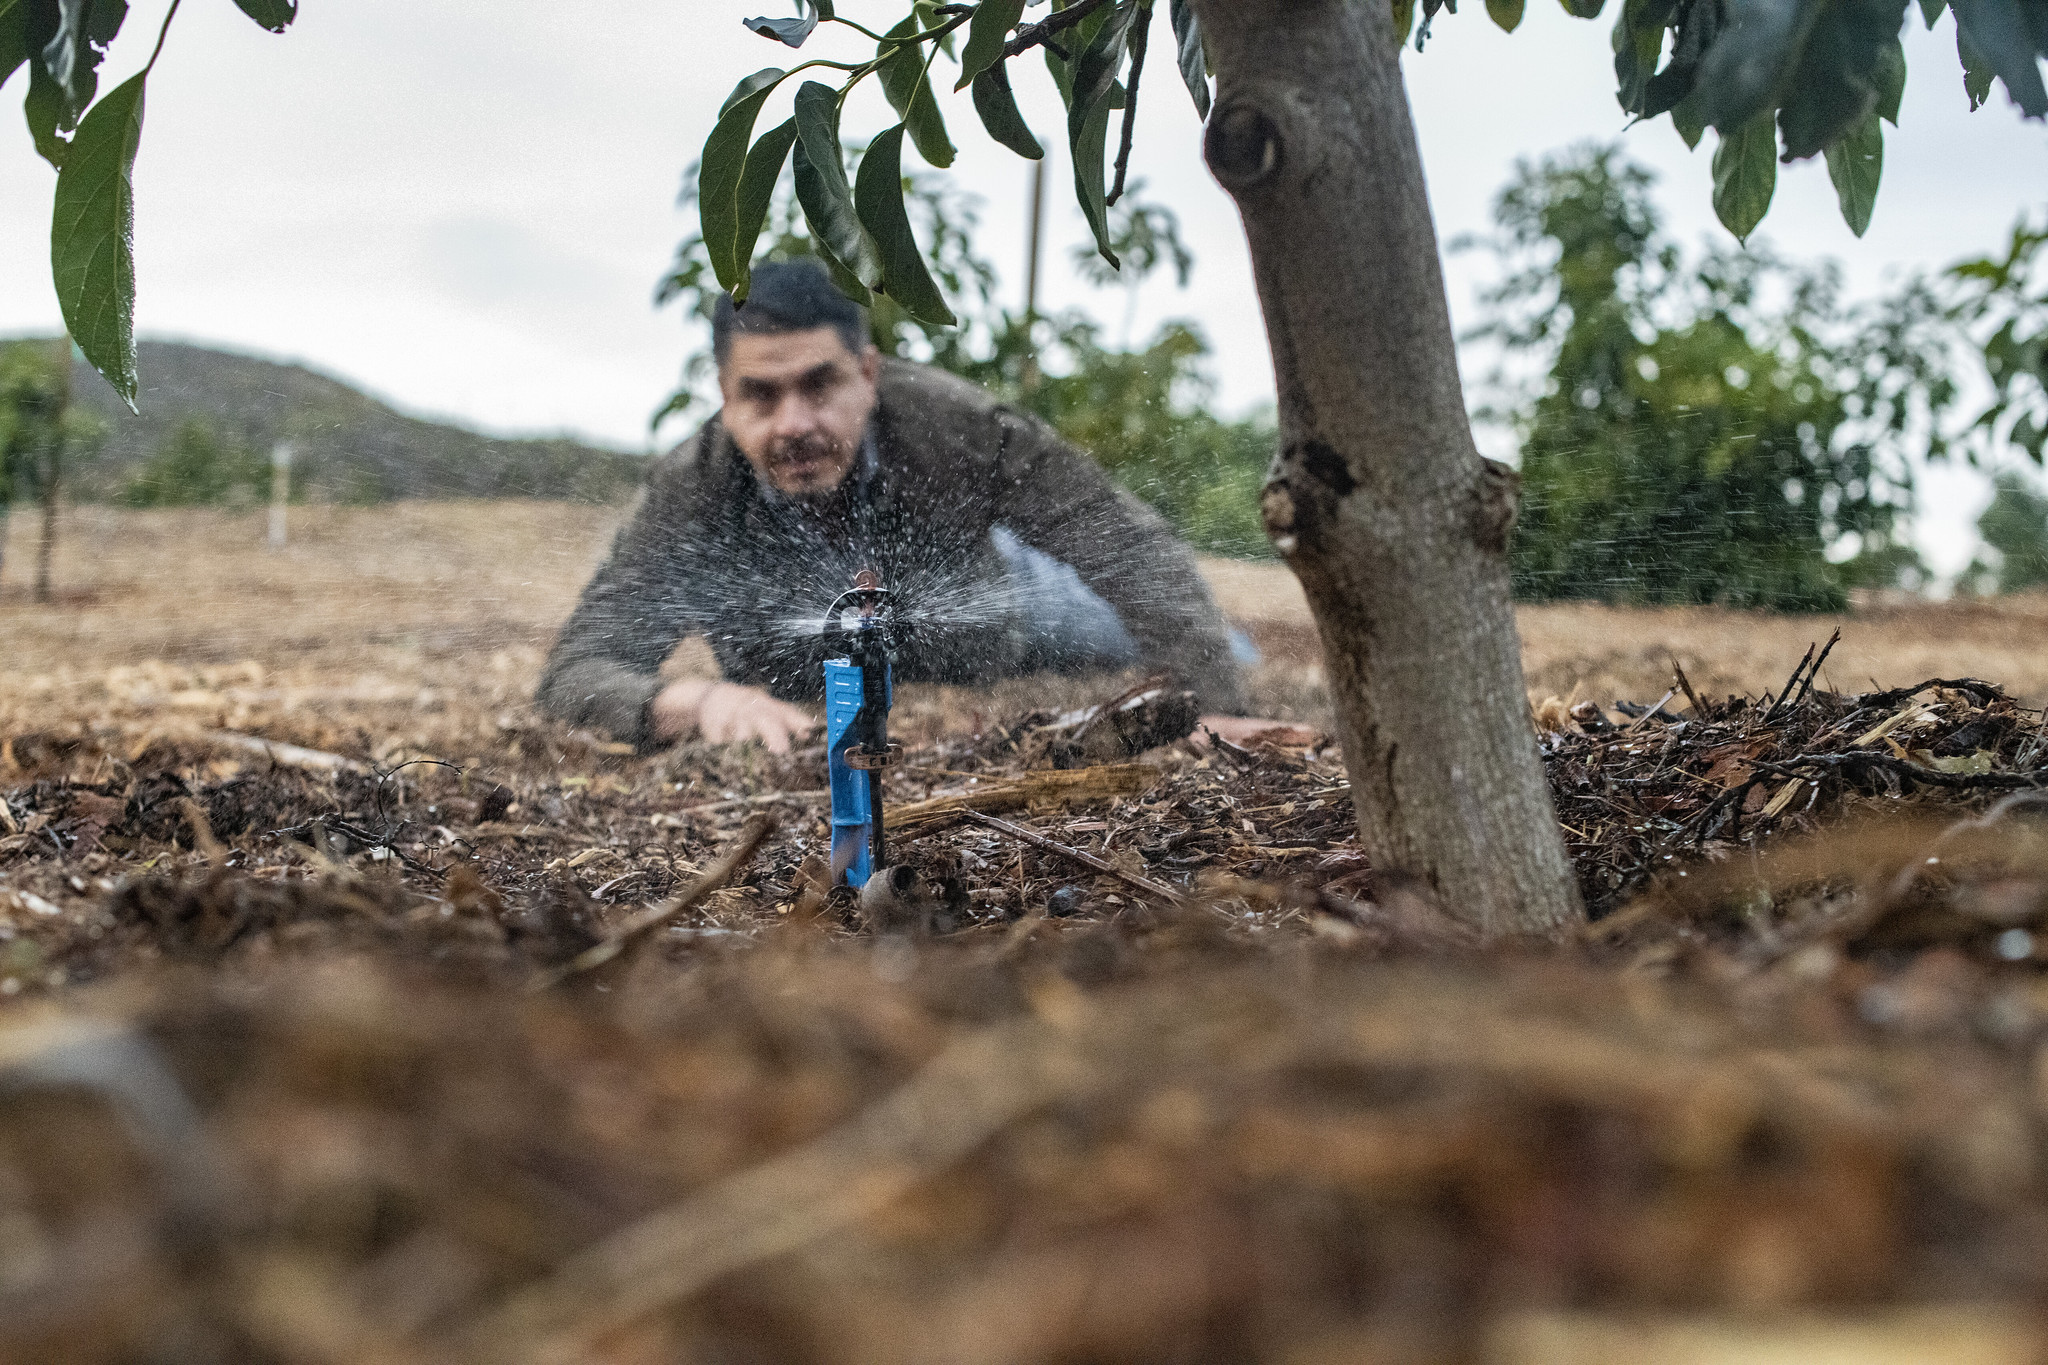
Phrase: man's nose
(793, 416)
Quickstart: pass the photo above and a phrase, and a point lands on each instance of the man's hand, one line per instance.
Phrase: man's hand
(1242, 730)
(727, 713)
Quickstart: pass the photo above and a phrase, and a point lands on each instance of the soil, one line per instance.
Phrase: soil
(319, 1063)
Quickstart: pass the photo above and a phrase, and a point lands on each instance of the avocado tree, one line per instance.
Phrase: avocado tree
(1377, 497)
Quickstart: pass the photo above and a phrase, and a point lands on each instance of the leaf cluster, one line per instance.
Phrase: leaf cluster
(92, 143)
(861, 225)
(943, 215)
(1785, 80)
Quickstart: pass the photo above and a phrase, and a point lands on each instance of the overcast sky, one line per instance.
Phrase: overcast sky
(464, 207)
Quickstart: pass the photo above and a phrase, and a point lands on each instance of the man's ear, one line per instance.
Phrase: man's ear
(871, 363)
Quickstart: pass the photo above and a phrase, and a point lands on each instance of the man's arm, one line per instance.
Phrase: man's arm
(1060, 501)
(604, 670)
(605, 667)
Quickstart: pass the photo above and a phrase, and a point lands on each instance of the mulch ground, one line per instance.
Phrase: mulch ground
(387, 1061)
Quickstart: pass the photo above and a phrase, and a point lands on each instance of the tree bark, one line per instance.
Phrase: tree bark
(1378, 498)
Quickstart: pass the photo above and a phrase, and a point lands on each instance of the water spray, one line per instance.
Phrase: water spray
(860, 622)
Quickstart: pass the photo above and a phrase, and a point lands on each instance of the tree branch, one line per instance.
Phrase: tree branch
(1032, 35)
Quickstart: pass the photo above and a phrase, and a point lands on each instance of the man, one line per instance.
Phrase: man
(1008, 551)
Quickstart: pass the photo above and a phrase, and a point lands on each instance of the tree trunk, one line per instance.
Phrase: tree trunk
(51, 484)
(1378, 499)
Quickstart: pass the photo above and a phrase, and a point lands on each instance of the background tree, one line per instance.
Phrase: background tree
(196, 466)
(1711, 429)
(2006, 306)
(2015, 527)
(38, 429)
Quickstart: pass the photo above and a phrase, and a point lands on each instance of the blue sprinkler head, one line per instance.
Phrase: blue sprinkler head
(857, 747)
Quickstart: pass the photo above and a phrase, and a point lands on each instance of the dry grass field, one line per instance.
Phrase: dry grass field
(562, 1054)
(459, 601)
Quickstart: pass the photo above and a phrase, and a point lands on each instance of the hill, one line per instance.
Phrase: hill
(348, 446)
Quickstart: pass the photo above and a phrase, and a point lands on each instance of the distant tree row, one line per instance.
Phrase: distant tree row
(1708, 427)
(1721, 426)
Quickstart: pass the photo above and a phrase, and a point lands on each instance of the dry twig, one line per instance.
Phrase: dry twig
(1067, 786)
(1088, 860)
(286, 755)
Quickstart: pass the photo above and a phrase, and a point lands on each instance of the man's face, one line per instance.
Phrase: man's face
(796, 404)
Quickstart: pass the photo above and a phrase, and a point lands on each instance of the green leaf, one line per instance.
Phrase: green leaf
(843, 279)
(1855, 164)
(1746, 175)
(987, 31)
(878, 196)
(49, 118)
(14, 45)
(92, 235)
(275, 15)
(910, 95)
(1093, 93)
(1194, 62)
(1837, 80)
(1095, 69)
(73, 52)
(1890, 78)
(1685, 117)
(1743, 72)
(1583, 9)
(750, 204)
(1820, 111)
(1999, 29)
(821, 186)
(1638, 42)
(789, 31)
(1930, 10)
(720, 167)
(997, 105)
(1089, 143)
(1976, 71)
(1506, 13)
(928, 18)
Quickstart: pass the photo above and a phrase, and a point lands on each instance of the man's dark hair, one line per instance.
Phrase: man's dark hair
(788, 296)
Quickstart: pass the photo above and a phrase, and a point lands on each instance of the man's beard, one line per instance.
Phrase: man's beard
(807, 466)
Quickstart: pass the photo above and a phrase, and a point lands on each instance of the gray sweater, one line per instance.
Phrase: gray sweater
(712, 551)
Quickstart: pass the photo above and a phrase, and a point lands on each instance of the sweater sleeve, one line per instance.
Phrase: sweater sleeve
(605, 665)
(1059, 500)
